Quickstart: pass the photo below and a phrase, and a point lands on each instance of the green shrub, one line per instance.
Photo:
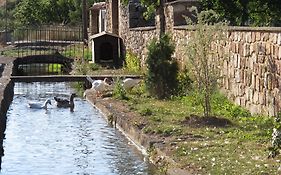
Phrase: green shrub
(161, 80)
(118, 91)
(133, 63)
(185, 83)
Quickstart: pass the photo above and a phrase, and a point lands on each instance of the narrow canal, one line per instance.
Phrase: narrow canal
(58, 142)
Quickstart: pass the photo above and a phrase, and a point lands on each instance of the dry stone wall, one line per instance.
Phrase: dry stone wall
(251, 72)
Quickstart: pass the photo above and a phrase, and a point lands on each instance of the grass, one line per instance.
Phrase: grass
(237, 148)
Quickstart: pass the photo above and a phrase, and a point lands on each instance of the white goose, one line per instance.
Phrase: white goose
(35, 105)
(129, 83)
(100, 86)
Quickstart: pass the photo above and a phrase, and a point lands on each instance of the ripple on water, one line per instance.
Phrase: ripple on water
(61, 142)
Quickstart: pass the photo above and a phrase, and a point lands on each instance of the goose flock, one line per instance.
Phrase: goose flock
(98, 86)
(60, 103)
(102, 86)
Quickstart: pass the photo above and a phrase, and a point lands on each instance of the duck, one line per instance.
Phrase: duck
(35, 105)
(130, 83)
(100, 86)
(65, 103)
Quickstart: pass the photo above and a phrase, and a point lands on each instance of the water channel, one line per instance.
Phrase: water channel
(56, 141)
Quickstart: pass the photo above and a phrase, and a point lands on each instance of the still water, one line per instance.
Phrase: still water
(58, 142)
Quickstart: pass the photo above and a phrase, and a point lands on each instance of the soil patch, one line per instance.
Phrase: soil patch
(197, 121)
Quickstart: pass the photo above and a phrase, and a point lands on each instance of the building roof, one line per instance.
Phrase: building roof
(102, 34)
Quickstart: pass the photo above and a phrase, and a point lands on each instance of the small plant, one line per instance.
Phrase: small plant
(185, 83)
(85, 68)
(276, 137)
(146, 112)
(203, 60)
(119, 92)
(238, 111)
(133, 63)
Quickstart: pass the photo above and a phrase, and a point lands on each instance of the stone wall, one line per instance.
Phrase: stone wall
(135, 39)
(252, 71)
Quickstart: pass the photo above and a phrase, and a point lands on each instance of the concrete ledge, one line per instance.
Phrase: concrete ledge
(141, 140)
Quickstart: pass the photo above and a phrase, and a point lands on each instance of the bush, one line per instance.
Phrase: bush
(185, 83)
(161, 80)
(118, 91)
(133, 63)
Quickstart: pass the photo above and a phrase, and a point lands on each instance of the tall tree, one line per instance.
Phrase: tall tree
(31, 12)
(28, 12)
(158, 7)
(247, 12)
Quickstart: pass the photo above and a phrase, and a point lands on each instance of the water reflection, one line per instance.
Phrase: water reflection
(61, 142)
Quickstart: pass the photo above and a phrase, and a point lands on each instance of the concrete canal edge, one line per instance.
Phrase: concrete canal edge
(116, 116)
(6, 97)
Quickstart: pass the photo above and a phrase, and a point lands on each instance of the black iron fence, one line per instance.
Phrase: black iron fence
(46, 49)
(48, 40)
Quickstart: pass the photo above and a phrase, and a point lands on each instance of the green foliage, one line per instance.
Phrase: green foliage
(274, 150)
(203, 61)
(146, 112)
(223, 107)
(247, 12)
(84, 68)
(28, 12)
(161, 79)
(185, 83)
(118, 91)
(34, 13)
(132, 62)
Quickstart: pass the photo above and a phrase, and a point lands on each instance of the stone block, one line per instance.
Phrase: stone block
(247, 50)
(265, 36)
(237, 76)
(261, 58)
(253, 48)
(237, 101)
(253, 36)
(241, 90)
(268, 48)
(257, 85)
(279, 39)
(261, 48)
(256, 97)
(271, 110)
(261, 98)
(242, 101)
(248, 78)
(253, 84)
(279, 53)
(255, 109)
(258, 36)
(248, 37)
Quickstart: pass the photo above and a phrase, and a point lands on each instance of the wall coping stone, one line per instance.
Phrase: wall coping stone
(236, 28)
(142, 28)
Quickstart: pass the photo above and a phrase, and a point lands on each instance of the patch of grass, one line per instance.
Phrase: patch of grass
(238, 148)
